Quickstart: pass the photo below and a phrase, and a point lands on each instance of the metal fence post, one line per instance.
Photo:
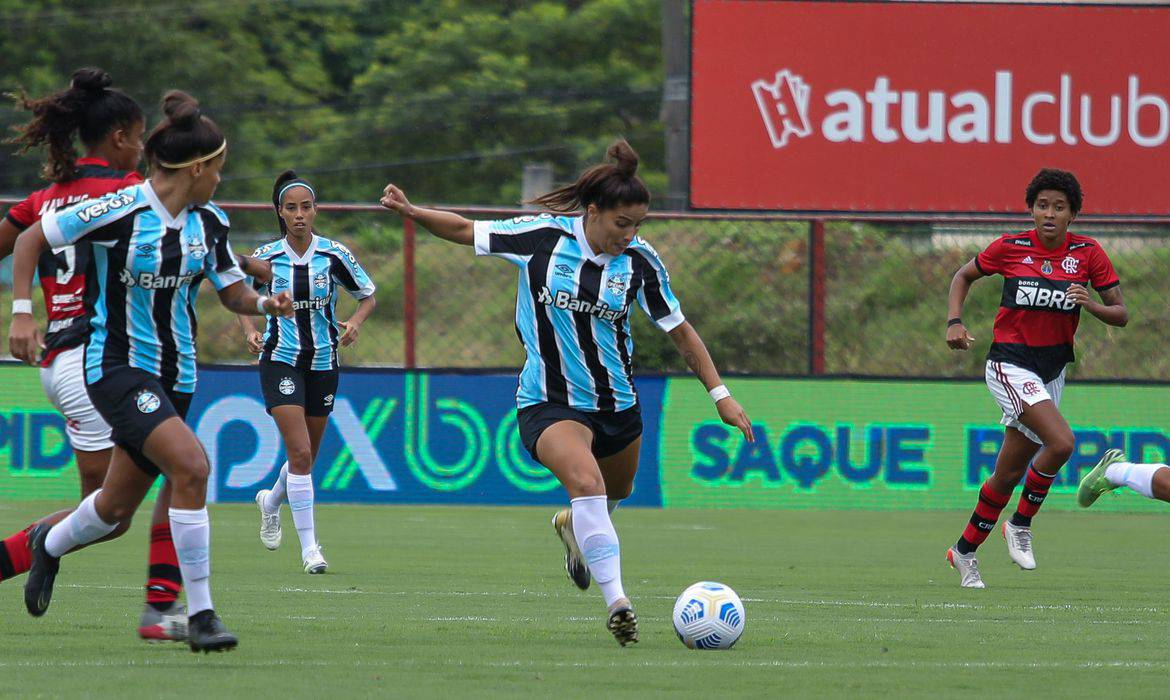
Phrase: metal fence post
(408, 292)
(816, 297)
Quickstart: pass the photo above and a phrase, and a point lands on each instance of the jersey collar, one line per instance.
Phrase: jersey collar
(100, 162)
(171, 222)
(599, 259)
(292, 254)
(1035, 236)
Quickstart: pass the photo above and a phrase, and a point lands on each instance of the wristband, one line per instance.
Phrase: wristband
(954, 321)
(260, 301)
(719, 393)
(22, 306)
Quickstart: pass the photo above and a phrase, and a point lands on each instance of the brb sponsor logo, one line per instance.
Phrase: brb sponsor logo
(888, 112)
(1033, 294)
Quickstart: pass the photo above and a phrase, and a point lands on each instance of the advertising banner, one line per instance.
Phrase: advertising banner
(926, 107)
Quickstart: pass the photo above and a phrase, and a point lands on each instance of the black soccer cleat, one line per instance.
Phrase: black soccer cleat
(38, 588)
(623, 623)
(206, 633)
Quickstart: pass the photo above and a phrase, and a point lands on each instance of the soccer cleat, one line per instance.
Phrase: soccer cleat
(575, 565)
(1095, 484)
(623, 623)
(1019, 544)
(314, 561)
(38, 588)
(270, 534)
(967, 566)
(168, 625)
(206, 633)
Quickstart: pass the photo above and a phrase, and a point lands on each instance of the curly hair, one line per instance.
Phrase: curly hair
(1059, 180)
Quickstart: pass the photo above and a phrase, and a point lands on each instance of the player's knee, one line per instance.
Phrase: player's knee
(618, 492)
(191, 473)
(584, 482)
(300, 458)
(1062, 445)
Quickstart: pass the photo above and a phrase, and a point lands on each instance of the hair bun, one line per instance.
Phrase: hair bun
(181, 109)
(624, 157)
(90, 80)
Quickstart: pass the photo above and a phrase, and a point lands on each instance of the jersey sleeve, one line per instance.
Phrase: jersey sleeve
(655, 295)
(345, 268)
(220, 263)
(23, 214)
(1101, 273)
(990, 260)
(517, 239)
(92, 219)
(132, 178)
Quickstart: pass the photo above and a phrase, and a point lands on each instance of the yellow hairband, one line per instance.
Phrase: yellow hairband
(200, 159)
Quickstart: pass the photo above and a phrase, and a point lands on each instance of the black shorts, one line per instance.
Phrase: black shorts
(285, 385)
(135, 402)
(613, 431)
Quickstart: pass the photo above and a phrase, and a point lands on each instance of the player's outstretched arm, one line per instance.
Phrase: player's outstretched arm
(957, 336)
(24, 338)
(694, 352)
(260, 270)
(444, 224)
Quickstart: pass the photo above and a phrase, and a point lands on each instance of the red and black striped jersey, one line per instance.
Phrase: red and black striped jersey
(1036, 322)
(62, 270)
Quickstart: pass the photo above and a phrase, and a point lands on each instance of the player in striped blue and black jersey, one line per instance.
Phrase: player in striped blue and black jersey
(152, 244)
(579, 277)
(298, 355)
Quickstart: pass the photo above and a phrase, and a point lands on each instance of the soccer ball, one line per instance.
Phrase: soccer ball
(708, 615)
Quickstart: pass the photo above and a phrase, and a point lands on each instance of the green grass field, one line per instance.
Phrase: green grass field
(427, 601)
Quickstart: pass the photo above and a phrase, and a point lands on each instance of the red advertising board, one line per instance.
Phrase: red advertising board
(927, 107)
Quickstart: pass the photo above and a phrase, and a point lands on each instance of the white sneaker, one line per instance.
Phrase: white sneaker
(968, 567)
(314, 562)
(1019, 543)
(270, 533)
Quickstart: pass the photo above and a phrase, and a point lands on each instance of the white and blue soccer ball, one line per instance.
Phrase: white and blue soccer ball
(708, 615)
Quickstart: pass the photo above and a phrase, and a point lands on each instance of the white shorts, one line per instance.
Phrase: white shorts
(64, 383)
(1016, 388)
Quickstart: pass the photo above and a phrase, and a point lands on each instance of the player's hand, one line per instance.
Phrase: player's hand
(24, 338)
(350, 336)
(732, 414)
(255, 342)
(958, 338)
(279, 305)
(1078, 294)
(394, 199)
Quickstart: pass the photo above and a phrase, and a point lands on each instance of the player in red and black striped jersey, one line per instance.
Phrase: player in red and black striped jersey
(109, 124)
(1047, 273)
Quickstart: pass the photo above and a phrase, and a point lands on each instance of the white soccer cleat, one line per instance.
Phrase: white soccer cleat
(314, 561)
(270, 534)
(1019, 543)
(968, 567)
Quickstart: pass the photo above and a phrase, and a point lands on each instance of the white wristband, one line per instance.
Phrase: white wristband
(22, 306)
(719, 393)
(260, 301)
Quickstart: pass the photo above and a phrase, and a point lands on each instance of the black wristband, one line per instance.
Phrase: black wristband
(954, 321)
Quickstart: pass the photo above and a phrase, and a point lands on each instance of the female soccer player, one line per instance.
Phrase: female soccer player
(1046, 272)
(578, 411)
(152, 244)
(110, 124)
(298, 356)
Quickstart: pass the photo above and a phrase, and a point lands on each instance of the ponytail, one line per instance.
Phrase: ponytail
(606, 185)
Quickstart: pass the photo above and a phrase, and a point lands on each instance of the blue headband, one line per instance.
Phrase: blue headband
(289, 186)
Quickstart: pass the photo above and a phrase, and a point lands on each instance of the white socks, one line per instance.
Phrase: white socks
(191, 532)
(1139, 477)
(276, 495)
(300, 502)
(82, 526)
(598, 543)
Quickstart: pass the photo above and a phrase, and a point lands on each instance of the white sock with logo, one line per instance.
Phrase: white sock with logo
(1139, 477)
(82, 526)
(598, 543)
(191, 532)
(276, 494)
(300, 502)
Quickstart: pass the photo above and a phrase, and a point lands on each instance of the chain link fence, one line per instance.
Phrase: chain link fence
(769, 294)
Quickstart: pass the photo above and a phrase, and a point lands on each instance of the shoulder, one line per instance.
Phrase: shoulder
(213, 214)
(641, 249)
(551, 223)
(124, 201)
(1077, 241)
(336, 249)
(269, 250)
(1015, 240)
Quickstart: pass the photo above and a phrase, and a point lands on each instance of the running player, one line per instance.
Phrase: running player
(152, 244)
(578, 410)
(1046, 272)
(109, 124)
(298, 356)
